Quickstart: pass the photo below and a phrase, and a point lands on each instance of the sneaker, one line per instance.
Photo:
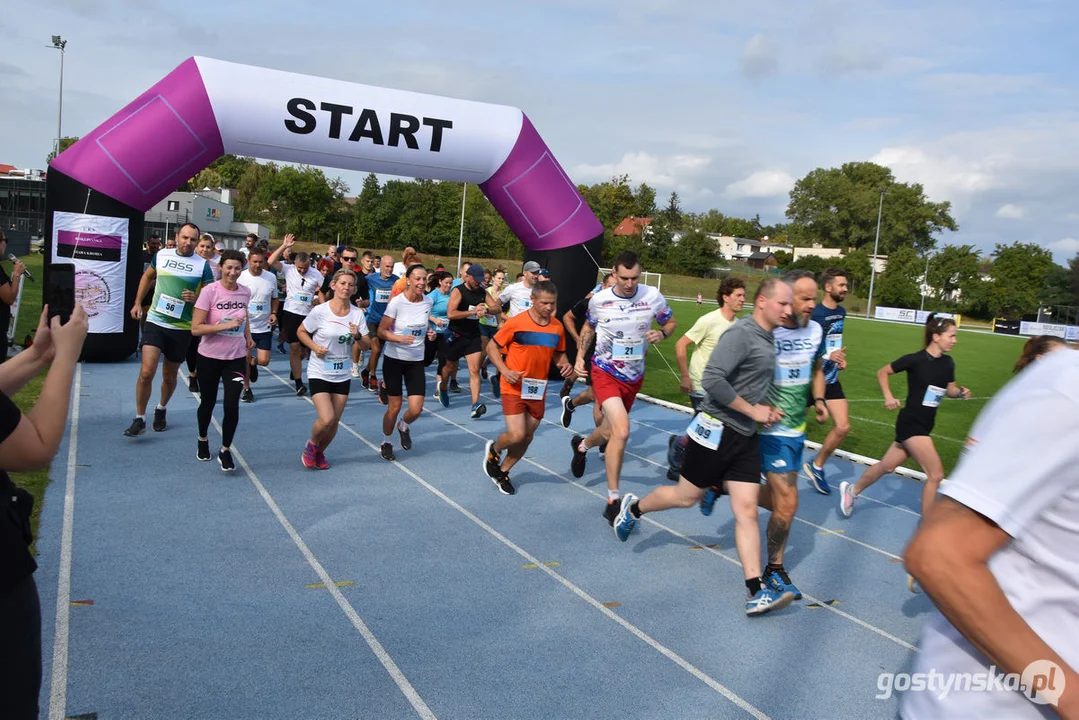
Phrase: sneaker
(383, 396)
(779, 582)
(159, 420)
(766, 600)
(492, 461)
(301, 391)
(576, 464)
(203, 450)
(282, 349)
(816, 478)
(224, 457)
(354, 371)
(611, 511)
(496, 386)
(846, 498)
(676, 451)
(478, 410)
(567, 387)
(454, 387)
(709, 500)
(567, 411)
(193, 383)
(310, 453)
(253, 372)
(673, 474)
(365, 378)
(372, 384)
(386, 451)
(137, 427)
(406, 438)
(442, 397)
(913, 585)
(603, 449)
(504, 485)
(248, 396)
(320, 460)
(625, 522)
(483, 372)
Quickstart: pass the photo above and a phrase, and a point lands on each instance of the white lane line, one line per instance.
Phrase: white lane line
(640, 634)
(350, 612)
(58, 688)
(823, 529)
(862, 623)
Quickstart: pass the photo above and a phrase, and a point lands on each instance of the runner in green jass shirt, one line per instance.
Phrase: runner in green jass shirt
(179, 274)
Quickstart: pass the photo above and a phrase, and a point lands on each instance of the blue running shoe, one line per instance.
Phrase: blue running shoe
(780, 582)
(816, 478)
(625, 522)
(766, 600)
(443, 396)
(709, 500)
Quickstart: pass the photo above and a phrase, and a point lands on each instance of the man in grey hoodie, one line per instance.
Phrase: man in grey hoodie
(725, 452)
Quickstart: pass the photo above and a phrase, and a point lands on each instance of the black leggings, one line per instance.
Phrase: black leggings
(435, 348)
(193, 355)
(20, 660)
(211, 372)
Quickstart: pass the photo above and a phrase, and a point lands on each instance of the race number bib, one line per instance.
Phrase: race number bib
(832, 343)
(418, 333)
(705, 430)
(258, 308)
(933, 396)
(382, 296)
(792, 372)
(237, 331)
(524, 304)
(626, 349)
(333, 364)
(533, 389)
(170, 306)
(302, 299)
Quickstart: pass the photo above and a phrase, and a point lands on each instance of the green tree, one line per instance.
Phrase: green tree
(1019, 274)
(65, 143)
(1058, 288)
(672, 214)
(953, 272)
(695, 254)
(838, 208)
(645, 199)
(611, 201)
(858, 270)
(898, 284)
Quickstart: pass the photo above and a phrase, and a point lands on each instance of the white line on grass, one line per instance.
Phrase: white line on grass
(58, 689)
(357, 622)
(640, 634)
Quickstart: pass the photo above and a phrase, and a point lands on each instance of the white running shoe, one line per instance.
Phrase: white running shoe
(846, 498)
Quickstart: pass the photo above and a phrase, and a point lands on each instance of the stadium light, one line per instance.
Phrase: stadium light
(873, 261)
(58, 43)
(925, 280)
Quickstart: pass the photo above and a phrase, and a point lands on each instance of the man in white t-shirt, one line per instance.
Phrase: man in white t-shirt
(262, 314)
(302, 284)
(999, 556)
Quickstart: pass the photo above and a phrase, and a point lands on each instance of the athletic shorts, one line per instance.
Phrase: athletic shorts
(514, 405)
(906, 428)
(263, 341)
(372, 332)
(607, 386)
(695, 400)
(172, 342)
(488, 331)
(781, 454)
(736, 459)
(290, 323)
(317, 385)
(459, 346)
(403, 374)
(831, 392)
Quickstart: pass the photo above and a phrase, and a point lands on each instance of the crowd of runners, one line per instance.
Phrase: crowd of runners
(752, 381)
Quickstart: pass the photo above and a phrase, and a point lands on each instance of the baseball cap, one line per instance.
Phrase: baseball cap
(531, 266)
(476, 270)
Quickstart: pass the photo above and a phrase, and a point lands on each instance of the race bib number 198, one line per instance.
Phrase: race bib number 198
(533, 389)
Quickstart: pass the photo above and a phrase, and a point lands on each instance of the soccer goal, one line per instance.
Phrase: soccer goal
(647, 278)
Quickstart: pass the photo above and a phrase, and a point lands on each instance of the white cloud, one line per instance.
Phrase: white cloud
(680, 172)
(1063, 249)
(1011, 212)
(760, 57)
(761, 184)
(944, 176)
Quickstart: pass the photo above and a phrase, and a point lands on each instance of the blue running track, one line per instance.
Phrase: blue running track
(415, 589)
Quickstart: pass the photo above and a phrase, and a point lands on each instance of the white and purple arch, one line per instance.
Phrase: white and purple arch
(206, 108)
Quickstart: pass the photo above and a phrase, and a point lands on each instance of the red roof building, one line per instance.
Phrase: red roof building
(632, 226)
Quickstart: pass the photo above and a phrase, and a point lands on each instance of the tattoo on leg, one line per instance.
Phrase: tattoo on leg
(777, 533)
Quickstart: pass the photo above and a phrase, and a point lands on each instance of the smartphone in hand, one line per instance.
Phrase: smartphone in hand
(60, 294)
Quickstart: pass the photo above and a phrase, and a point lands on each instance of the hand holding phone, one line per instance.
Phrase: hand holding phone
(60, 295)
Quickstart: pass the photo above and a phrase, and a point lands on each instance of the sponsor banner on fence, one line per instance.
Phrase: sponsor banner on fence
(906, 315)
(97, 246)
(1068, 332)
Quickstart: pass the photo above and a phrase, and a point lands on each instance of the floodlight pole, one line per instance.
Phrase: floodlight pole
(925, 280)
(58, 43)
(461, 239)
(873, 262)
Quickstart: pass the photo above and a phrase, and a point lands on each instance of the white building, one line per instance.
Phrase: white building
(210, 209)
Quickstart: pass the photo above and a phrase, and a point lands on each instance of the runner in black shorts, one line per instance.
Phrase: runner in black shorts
(574, 320)
(724, 449)
(467, 305)
(930, 378)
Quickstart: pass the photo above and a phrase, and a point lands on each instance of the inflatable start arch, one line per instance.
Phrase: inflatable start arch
(206, 108)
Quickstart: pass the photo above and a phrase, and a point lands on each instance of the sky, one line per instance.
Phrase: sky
(726, 103)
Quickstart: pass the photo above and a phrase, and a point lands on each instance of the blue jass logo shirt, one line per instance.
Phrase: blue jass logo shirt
(832, 323)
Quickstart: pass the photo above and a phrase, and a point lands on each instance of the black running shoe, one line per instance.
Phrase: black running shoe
(576, 465)
(386, 451)
(492, 461)
(406, 438)
(225, 458)
(383, 396)
(248, 396)
(365, 378)
(301, 391)
(159, 420)
(504, 485)
(193, 383)
(567, 411)
(610, 513)
(137, 427)
(253, 373)
(203, 451)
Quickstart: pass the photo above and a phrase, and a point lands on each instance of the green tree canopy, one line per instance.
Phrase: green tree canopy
(1019, 275)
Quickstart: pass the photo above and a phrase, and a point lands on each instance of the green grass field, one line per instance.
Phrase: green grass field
(983, 364)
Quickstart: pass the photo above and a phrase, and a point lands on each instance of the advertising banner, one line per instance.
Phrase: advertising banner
(1068, 332)
(917, 317)
(97, 246)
